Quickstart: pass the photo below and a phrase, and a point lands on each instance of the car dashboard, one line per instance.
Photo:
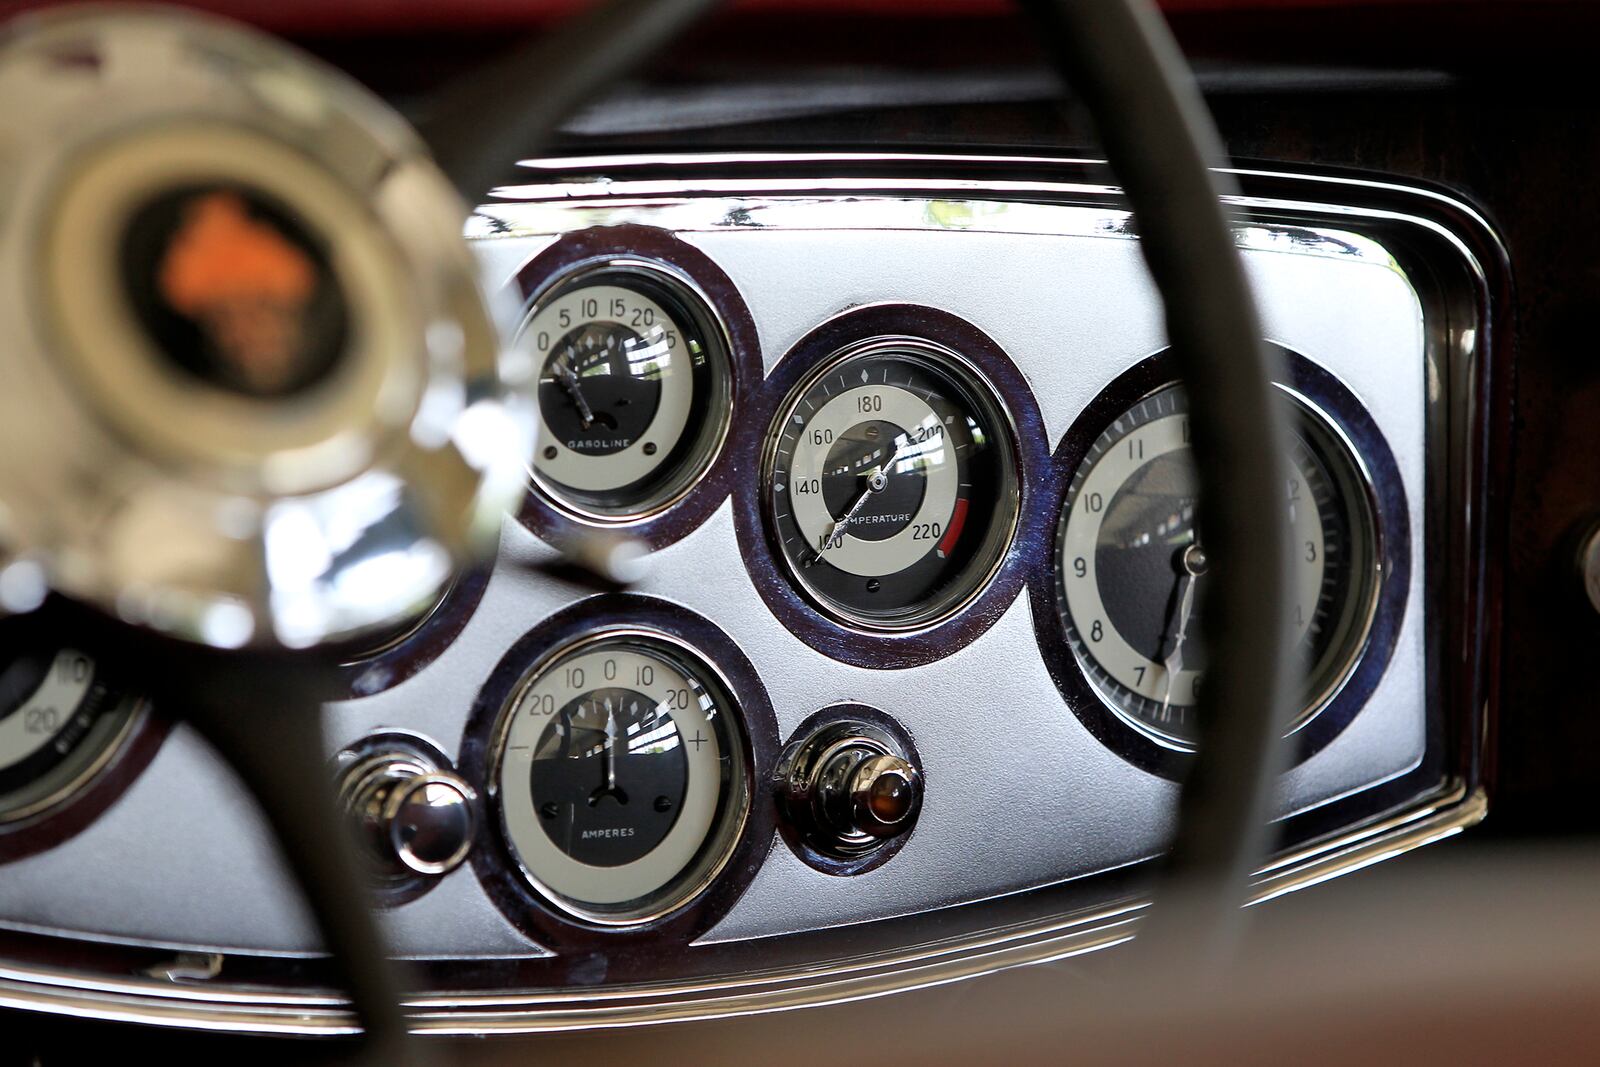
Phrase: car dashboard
(843, 637)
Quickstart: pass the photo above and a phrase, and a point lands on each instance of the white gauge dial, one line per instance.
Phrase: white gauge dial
(633, 390)
(617, 778)
(1132, 469)
(59, 722)
(905, 442)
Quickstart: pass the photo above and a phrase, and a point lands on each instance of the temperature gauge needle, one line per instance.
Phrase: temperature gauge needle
(875, 483)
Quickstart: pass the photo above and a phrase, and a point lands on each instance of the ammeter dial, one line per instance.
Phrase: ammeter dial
(891, 484)
(1131, 570)
(621, 777)
(633, 389)
(59, 721)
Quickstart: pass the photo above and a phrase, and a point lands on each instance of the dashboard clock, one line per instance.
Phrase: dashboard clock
(620, 776)
(1131, 568)
(891, 484)
(634, 389)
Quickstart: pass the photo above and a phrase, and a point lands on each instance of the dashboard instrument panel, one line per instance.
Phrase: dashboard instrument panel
(914, 635)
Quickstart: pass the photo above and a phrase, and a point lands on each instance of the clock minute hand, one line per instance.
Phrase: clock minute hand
(1174, 660)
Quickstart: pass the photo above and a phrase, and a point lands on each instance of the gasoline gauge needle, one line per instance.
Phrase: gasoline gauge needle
(569, 381)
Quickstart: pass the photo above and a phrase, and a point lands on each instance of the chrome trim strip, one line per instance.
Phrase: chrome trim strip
(241, 1009)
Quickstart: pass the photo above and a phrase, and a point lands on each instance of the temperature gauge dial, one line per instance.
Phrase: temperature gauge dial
(620, 780)
(891, 484)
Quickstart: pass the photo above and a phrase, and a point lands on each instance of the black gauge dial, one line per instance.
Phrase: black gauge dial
(59, 720)
(891, 484)
(600, 390)
(620, 779)
(1131, 569)
(633, 389)
(609, 776)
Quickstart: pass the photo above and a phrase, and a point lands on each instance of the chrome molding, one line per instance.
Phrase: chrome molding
(206, 1007)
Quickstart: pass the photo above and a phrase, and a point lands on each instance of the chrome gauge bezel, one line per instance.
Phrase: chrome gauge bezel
(1367, 470)
(690, 899)
(956, 349)
(688, 284)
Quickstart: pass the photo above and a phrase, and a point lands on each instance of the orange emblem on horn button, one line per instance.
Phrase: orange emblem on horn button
(245, 284)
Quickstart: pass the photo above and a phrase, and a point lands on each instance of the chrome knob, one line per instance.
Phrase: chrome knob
(415, 819)
(849, 788)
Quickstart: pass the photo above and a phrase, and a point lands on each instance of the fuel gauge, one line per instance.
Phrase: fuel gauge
(634, 389)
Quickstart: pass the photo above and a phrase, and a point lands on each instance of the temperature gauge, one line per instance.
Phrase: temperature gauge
(621, 777)
(891, 484)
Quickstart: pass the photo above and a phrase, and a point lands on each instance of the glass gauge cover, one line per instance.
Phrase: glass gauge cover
(634, 389)
(1131, 572)
(620, 778)
(891, 484)
(59, 723)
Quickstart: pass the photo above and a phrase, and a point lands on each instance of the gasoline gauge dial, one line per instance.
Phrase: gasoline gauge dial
(1131, 570)
(634, 389)
(891, 484)
(621, 777)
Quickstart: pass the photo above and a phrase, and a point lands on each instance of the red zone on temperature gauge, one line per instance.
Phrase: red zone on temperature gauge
(877, 462)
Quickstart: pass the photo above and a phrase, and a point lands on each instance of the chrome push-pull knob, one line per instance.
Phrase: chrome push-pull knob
(883, 794)
(415, 819)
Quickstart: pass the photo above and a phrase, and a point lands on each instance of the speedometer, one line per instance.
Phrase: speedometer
(891, 484)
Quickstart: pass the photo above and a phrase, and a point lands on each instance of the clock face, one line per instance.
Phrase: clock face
(1132, 571)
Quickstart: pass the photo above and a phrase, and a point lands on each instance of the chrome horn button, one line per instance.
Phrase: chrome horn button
(254, 394)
